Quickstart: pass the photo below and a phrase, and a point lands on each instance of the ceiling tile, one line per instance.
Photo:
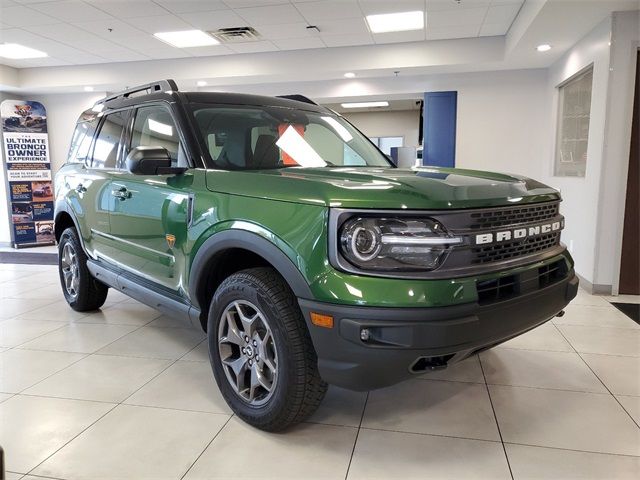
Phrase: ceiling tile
(123, 55)
(252, 3)
(467, 16)
(160, 23)
(461, 31)
(502, 13)
(399, 37)
(375, 7)
(101, 28)
(253, 47)
(71, 11)
(347, 40)
(187, 6)
(128, 9)
(493, 29)
(270, 15)
(315, 12)
(36, 62)
(288, 30)
(209, 51)
(85, 59)
(350, 26)
(299, 43)
(7, 3)
(440, 5)
(26, 38)
(142, 42)
(165, 54)
(214, 20)
(16, 16)
(64, 33)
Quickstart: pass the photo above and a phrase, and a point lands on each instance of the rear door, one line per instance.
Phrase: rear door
(149, 218)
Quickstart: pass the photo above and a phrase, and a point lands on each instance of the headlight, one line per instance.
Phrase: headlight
(402, 244)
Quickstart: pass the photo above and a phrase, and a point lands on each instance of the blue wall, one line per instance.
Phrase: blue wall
(439, 138)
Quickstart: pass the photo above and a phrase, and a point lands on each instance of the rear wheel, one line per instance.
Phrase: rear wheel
(81, 291)
(261, 352)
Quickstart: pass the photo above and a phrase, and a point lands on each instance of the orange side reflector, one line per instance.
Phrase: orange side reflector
(320, 320)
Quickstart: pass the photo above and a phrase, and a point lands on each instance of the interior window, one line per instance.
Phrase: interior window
(105, 149)
(81, 141)
(154, 127)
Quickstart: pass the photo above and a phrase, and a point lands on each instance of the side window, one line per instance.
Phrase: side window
(154, 127)
(105, 149)
(81, 141)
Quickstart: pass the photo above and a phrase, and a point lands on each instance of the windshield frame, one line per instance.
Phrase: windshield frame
(211, 164)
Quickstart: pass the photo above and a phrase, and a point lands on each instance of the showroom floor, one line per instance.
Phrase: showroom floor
(128, 393)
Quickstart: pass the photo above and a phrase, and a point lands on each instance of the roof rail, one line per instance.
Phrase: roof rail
(159, 86)
(299, 98)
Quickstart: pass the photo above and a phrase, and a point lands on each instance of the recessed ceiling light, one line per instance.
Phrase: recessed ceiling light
(350, 75)
(201, 83)
(396, 22)
(364, 104)
(187, 38)
(19, 52)
(88, 89)
(545, 47)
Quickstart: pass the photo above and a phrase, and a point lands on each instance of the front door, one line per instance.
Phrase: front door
(150, 215)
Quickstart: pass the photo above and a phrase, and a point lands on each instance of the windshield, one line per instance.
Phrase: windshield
(254, 138)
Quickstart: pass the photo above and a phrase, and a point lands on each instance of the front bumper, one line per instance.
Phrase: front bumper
(405, 341)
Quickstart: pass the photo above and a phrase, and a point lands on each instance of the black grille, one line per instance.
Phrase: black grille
(518, 248)
(512, 216)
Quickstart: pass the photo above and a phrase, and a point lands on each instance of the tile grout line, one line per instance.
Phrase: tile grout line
(207, 446)
(355, 441)
(495, 417)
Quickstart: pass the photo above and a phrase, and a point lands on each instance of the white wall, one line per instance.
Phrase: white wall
(399, 123)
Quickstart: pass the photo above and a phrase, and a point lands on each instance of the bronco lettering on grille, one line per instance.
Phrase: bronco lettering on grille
(518, 233)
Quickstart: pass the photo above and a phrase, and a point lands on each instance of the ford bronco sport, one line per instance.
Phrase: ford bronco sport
(292, 241)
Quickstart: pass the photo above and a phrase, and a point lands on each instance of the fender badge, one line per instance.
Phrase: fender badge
(171, 240)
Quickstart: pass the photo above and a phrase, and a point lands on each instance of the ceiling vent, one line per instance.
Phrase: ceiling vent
(235, 35)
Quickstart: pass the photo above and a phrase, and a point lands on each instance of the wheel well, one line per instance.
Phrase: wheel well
(63, 221)
(219, 267)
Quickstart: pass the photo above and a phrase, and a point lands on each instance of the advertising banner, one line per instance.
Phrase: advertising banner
(28, 172)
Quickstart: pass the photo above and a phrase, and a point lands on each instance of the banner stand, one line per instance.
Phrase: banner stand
(27, 171)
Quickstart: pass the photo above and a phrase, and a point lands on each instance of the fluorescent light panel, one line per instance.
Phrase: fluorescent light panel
(187, 38)
(364, 104)
(396, 22)
(545, 47)
(15, 51)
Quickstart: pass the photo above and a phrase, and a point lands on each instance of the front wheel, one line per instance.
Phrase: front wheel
(82, 292)
(261, 352)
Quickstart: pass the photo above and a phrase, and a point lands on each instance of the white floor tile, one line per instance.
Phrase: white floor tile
(535, 368)
(537, 463)
(622, 298)
(573, 420)
(16, 476)
(16, 331)
(340, 407)
(200, 353)
(276, 456)
(607, 316)
(621, 375)
(585, 298)
(608, 341)
(5, 396)
(468, 370)
(153, 342)
(19, 369)
(393, 455)
(59, 311)
(165, 321)
(136, 443)
(102, 378)
(12, 307)
(434, 407)
(32, 428)
(122, 314)
(631, 405)
(82, 338)
(544, 337)
(184, 386)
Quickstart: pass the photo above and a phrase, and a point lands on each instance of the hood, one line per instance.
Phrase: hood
(392, 188)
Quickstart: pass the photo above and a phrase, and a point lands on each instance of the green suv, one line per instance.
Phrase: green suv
(296, 245)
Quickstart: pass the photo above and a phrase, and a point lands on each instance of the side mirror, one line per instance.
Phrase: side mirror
(151, 161)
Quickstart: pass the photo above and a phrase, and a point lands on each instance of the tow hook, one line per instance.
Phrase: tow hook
(560, 313)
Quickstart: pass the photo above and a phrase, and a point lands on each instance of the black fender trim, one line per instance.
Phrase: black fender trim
(60, 207)
(228, 239)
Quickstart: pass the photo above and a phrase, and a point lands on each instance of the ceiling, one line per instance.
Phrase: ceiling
(400, 104)
(81, 32)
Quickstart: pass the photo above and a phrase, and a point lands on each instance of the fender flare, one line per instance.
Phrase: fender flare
(63, 207)
(255, 243)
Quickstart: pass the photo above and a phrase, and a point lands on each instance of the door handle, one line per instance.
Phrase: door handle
(81, 188)
(121, 193)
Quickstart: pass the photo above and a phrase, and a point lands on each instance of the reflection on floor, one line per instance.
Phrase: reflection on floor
(128, 393)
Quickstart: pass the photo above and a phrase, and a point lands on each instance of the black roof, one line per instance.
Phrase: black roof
(168, 90)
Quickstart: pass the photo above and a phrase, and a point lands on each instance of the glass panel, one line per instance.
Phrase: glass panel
(81, 141)
(105, 149)
(154, 127)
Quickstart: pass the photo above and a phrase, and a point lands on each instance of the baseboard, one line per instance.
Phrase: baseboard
(594, 289)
